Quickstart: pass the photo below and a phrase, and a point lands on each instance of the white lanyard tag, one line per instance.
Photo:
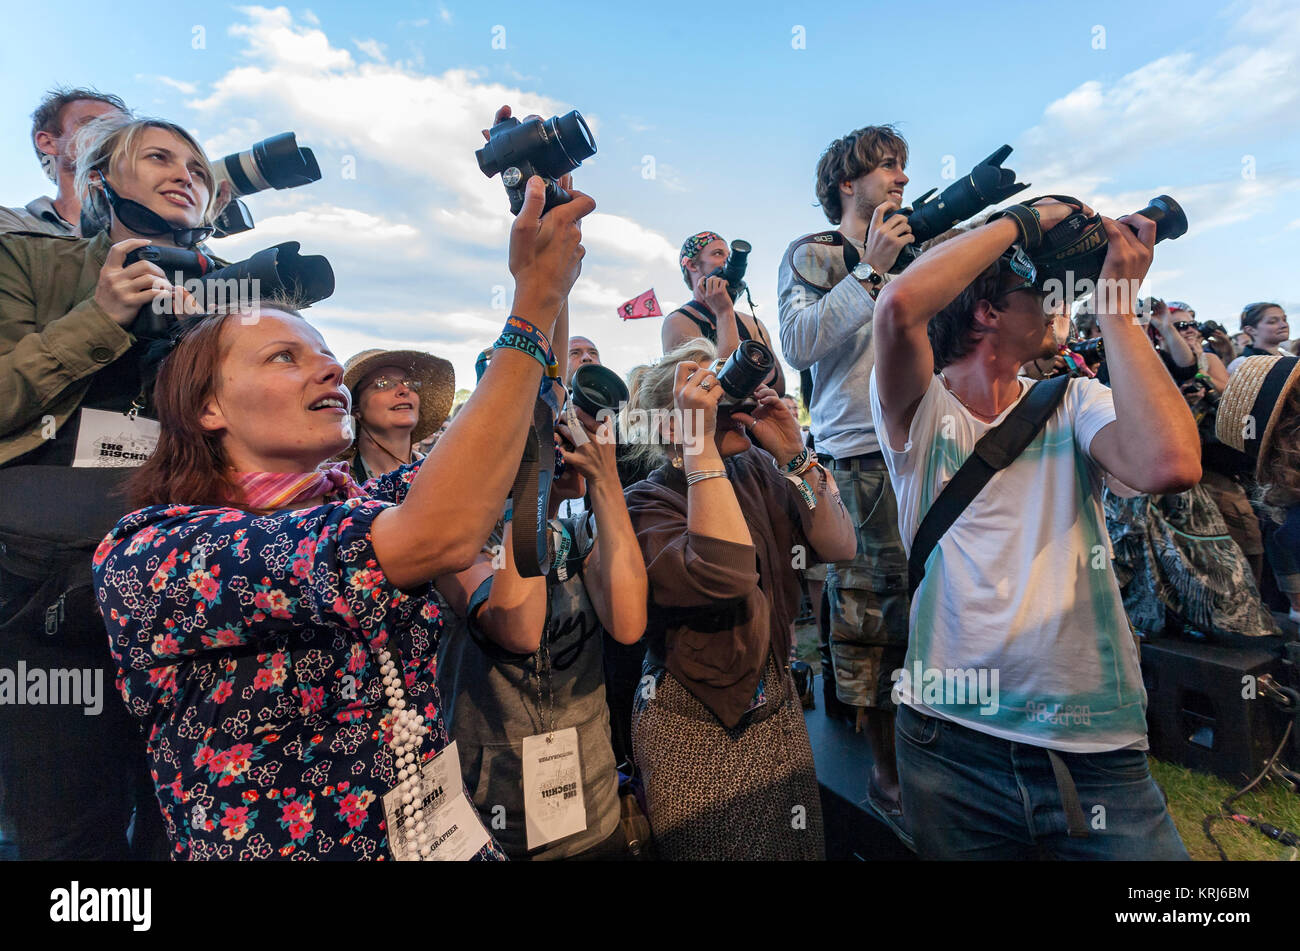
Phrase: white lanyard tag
(113, 440)
(458, 832)
(553, 805)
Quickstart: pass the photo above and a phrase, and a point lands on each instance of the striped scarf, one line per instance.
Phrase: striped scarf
(269, 491)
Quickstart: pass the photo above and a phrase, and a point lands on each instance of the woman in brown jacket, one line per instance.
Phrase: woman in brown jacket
(725, 526)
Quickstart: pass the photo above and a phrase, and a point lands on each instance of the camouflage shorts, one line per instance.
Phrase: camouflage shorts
(868, 595)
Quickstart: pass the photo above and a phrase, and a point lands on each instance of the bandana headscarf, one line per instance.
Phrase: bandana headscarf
(278, 490)
(693, 246)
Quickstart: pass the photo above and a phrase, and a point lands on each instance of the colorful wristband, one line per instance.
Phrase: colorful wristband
(519, 325)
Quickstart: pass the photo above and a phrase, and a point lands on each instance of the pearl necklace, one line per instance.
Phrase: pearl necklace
(409, 729)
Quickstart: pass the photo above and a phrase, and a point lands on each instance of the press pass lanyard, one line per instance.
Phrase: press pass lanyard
(554, 805)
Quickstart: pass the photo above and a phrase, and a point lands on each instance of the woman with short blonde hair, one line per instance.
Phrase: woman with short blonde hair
(724, 524)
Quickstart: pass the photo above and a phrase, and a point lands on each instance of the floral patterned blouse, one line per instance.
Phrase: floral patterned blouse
(246, 644)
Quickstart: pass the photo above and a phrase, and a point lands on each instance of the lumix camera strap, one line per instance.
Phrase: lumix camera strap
(531, 496)
(996, 449)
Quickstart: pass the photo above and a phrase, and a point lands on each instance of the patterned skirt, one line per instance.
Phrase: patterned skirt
(748, 793)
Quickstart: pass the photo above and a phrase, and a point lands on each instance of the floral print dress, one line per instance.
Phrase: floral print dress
(246, 645)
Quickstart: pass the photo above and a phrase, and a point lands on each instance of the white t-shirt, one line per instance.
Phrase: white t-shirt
(1018, 629)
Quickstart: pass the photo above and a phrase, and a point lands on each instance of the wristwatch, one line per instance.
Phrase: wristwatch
(865, 272)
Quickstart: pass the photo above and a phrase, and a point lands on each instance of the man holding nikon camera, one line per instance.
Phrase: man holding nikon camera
(827, 288)
(1017, 592)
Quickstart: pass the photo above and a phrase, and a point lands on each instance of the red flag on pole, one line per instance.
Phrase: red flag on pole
(643, 305)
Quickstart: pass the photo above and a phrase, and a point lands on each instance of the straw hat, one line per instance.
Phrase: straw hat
(1252, 403)
(437, 375)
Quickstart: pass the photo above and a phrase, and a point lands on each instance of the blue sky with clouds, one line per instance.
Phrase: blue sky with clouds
(703, 120)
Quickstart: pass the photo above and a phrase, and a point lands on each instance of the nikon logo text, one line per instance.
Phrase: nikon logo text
(77, 904)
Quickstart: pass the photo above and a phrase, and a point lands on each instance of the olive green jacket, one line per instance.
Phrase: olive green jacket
(53, 336)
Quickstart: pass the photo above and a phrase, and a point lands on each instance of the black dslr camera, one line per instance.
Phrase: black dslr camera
(546, 147)
(733, 272)
(987, 184)
(595, 389)
(747, 367)
(1074, 250)
(277, 162)
(277, 271)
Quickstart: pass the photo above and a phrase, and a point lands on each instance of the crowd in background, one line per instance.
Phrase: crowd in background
(327, 591)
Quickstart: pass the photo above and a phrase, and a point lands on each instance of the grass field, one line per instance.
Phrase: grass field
(1191, 796)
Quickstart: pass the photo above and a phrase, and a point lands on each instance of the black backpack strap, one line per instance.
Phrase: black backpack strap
(996, 449)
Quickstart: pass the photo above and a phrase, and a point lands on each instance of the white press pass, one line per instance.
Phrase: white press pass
(553, 806)
(458, 833)
(112, 440)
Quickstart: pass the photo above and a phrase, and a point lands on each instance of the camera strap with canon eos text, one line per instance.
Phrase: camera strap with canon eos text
(996, 449)
(833, 239)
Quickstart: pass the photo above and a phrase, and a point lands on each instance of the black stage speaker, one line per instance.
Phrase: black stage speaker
(1200, 711)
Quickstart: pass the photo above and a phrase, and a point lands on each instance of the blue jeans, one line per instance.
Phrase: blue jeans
(968, 795)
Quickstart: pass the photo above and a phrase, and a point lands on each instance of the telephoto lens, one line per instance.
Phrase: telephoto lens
(276, 162)
(594, 388)
(733, 272)
(1168, 215)
(745, 369)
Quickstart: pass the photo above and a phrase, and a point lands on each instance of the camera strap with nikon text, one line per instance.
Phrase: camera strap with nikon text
(996, 449)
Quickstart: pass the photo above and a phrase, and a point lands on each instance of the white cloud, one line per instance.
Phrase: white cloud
(444, 13)
(329, 222)
(372, 48)
(417, 237)
(187, 88)
(1176, 101)
(624, 236)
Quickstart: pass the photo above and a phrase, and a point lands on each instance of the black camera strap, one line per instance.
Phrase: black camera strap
(533, 488)
(996, 449)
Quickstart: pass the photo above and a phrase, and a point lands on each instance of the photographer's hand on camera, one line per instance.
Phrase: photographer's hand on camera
(696, 395)
(595, 458)
(122, 291)
(1153, 445)
(712, 291)
(773, 426)
(1052, 212)
(546, 253)
(886, 238)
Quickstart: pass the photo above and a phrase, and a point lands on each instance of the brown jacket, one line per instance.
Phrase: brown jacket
(53, 336)
(716, 607)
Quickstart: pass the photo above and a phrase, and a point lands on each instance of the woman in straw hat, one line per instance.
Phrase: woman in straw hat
(1259, 415)
(399, 397)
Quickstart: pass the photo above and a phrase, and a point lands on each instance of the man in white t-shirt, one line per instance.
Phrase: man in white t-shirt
(1022, 728)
